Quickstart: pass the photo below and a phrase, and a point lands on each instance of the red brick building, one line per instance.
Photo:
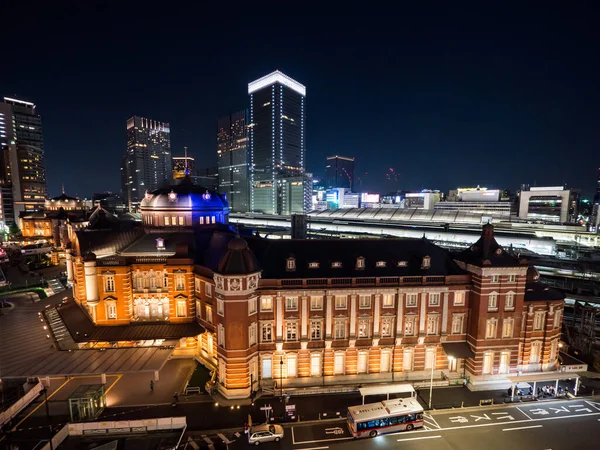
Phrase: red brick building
(314, 312)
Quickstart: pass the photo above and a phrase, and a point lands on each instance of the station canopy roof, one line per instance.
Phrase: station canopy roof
(458, 349)
(541, 377)
(387, 389)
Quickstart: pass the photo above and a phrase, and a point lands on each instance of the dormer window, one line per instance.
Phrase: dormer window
(402, 264)
(291, 264)
(426, 263)
(336, 265)
(160, 244)
(380, 264)
(313, 265)
(360, 262)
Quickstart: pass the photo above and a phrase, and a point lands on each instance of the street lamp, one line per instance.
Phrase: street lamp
(431, 384)
(281, 376)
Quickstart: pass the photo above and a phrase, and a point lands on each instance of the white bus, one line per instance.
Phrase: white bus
(388, 416)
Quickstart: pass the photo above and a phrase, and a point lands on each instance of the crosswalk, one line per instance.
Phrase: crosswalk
(56, 285)
(59, 330)
(429, 422)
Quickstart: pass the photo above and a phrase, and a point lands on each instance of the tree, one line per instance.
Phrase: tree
(14, 229)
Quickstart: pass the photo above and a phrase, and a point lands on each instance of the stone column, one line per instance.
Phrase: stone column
(304, 327)
(353, 321)
(445, 313)
(279, 319)
(329, 317)
(91, 279)
(376, 315)
(69, 267)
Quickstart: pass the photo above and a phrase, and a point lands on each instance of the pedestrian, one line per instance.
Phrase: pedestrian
(175, 398)
(151, 385)
(464, 382)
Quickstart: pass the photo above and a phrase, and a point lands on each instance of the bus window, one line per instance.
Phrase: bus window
(420, 416)
(394, 420)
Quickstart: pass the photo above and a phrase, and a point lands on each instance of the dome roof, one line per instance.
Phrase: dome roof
(239, 259)
(184, 196)
(532, 274)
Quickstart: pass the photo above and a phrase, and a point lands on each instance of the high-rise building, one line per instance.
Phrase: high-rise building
(277, 145)
(147, 163)
(339, 172)
(22, 145)
(232, 160)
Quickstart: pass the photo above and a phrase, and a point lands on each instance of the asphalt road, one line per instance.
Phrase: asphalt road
(562, 425)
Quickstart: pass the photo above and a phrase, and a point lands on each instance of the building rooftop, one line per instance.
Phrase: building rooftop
(487, 252)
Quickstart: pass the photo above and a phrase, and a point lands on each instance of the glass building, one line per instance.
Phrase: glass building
(339, 172)
(232, 160)
(147, 164)
(22, 144)
(277, 145)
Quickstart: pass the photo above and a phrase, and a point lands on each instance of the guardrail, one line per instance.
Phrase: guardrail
(21, 404)
(116, 428)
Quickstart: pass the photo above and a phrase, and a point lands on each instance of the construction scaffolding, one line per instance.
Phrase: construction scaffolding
(582, 331)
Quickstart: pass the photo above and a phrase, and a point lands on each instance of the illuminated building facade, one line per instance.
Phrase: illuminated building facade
(147, 163)
(339, 172)
(22, 144)
(546, 204)
(233, 160)
(315, 312)
(183, 166)
(277, 145)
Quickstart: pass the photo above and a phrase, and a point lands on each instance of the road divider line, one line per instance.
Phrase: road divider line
(322, 440)
(419, 438)
(522, 428)
(314, 448)
(293, 438)
(524, 413)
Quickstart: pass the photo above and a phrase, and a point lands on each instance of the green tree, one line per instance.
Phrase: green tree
(14, 229)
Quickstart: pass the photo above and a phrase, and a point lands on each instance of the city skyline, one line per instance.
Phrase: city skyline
(523, 96)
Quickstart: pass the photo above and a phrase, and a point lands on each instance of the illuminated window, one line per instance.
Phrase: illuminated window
(536, 351)
(181, 308)
(316, 303)
(252, 306)
(457, 323)
(538, 320)
(388, 300)
(315, 330)
(313, 265)
(266, 332)
(411, 300)
(266, 304)
(209, 314)
(509, 302)
(181, 221)
(109, 283)
(167, 222)
(490, 328)
(387, 326)
(507, 328)
(493, 301)
(336, 264)
(459, 299)
(432, 323)
(341, 302)
(360, 262)
(364, 301)
(291, 303)
(179, 282)
(426, 263)
(291, 264)
(434, 299)
(380, 264)
(512, 278)
(252, 334)
(220, 307)
(208, 288)
(557, 318)
(339, 329)
(111, 310)
(291, 330)
(364, 328)
(201, 219)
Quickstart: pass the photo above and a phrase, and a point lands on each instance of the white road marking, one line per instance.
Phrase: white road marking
(315, 448)
(523, 413)
(419, 438)
(431, 421)
(522, 428)
(594, 405)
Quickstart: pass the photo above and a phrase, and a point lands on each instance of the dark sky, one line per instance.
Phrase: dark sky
(497, 94)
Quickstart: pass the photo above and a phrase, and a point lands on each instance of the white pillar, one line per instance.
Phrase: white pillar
(353, 320)
(304, 317)
(399, 317)
(445, 313)
(156, 377)
(423, 313)
(279, 320)
(69, 267)
(91, 280)
(576, 386)
(556, 388)
(376, 315)
(328, 317)
(103, 378)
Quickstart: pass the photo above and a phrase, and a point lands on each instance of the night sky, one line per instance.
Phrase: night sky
(446, 95)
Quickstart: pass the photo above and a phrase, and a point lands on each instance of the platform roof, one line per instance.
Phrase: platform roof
(388, 389)
(541, 377)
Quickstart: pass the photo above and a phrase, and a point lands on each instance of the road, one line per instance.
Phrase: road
(561, 425)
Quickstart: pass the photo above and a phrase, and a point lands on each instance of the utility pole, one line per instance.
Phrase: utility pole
(431, 384)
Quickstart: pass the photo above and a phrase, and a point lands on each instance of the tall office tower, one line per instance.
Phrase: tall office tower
(277, 144)
(232, 160)
(339, 172)
(22, 146)
(147, 163)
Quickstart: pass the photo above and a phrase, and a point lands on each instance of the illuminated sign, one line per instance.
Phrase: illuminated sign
(276, 77)
(369, 198)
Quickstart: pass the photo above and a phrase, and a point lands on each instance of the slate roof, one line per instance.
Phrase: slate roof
(536, 291)
(238, 259)
(82, 329)
(273, 254)
(487, 252)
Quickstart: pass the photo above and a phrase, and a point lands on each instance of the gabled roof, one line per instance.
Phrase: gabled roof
(487, 252)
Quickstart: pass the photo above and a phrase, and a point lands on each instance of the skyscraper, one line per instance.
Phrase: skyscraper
(232, 160)
(147, 163)
(339, 172)
(183, 166)
(22, 146)
(277, 145)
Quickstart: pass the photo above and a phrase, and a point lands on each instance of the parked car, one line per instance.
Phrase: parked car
(265, 433)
